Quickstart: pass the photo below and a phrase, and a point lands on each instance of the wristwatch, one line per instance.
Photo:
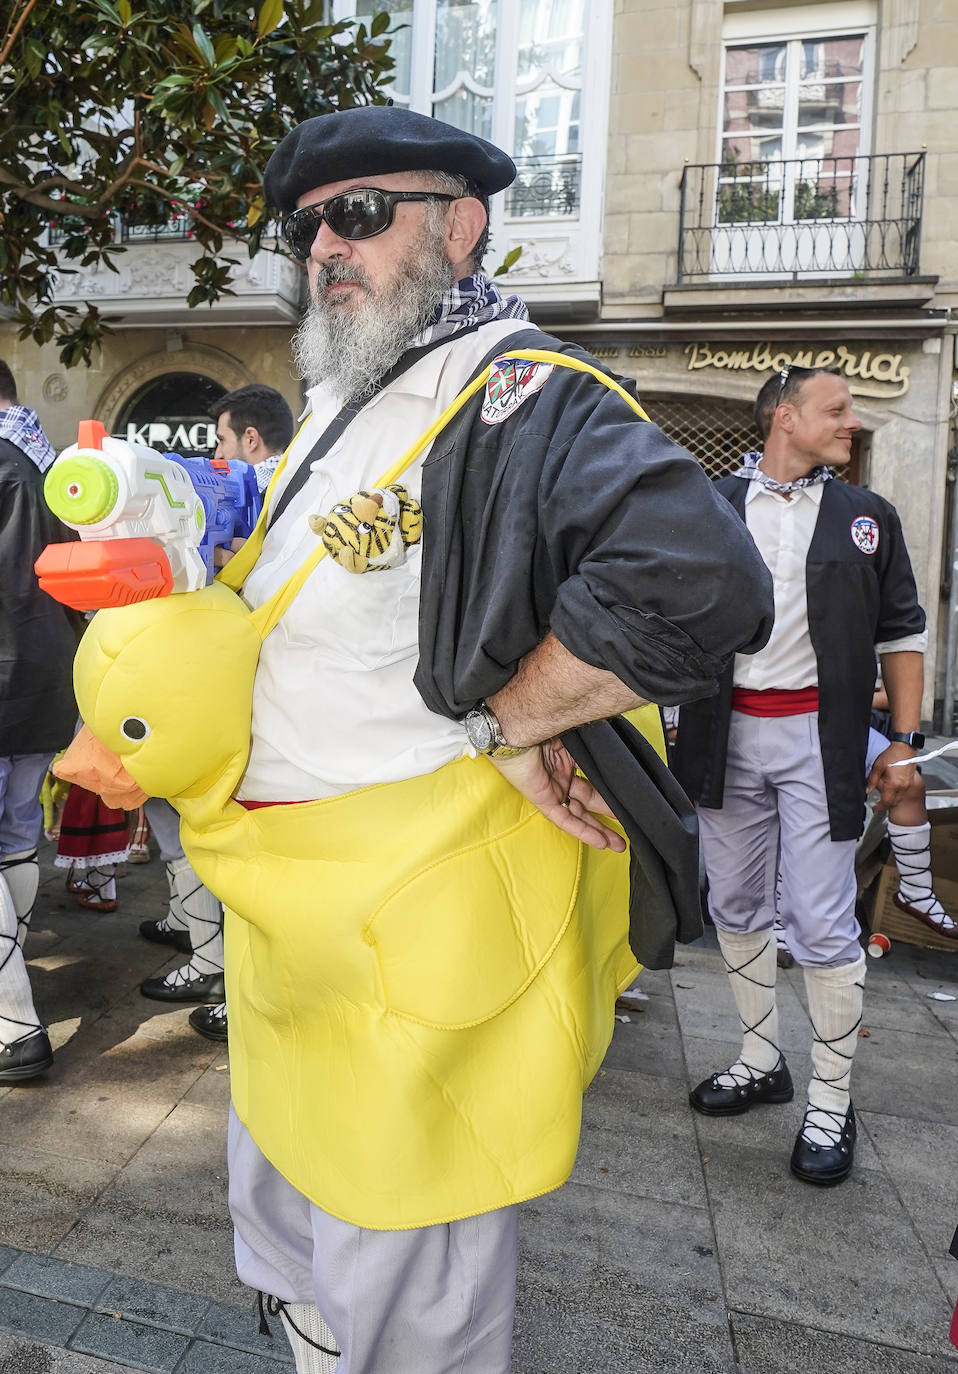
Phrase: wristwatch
(913, 737)
(484, 733)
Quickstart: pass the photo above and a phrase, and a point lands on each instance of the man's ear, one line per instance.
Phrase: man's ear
(467, 221)
(252, 441)
(785, 416)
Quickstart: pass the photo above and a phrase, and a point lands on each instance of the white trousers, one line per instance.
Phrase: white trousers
(438, 1298)
(774, 810)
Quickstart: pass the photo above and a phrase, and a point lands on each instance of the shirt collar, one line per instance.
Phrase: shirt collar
(758, 489)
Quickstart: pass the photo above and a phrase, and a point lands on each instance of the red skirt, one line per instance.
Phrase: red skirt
(92, 834)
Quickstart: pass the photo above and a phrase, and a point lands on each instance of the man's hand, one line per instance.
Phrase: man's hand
(222, 554)
(546, 776)
(892, 783)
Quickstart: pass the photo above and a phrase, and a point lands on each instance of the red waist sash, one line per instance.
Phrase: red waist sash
(775, 701)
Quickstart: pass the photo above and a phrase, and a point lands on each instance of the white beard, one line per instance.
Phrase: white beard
(348, 347)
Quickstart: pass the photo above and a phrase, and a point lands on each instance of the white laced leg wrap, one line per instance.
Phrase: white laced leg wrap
(102, 881)
(175, 918)
(911, 845)
(204, 919)
(750, 962)
(22, 872)
(835, 997)
(318, 1352)
(18, 1015)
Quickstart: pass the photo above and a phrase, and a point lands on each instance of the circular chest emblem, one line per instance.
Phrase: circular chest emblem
(865, 534)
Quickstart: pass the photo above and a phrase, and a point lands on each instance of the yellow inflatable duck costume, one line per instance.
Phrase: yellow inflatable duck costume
(420, 975)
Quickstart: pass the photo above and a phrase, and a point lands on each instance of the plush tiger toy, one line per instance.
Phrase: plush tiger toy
(372, 530)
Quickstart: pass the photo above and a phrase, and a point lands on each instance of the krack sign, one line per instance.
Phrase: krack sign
(868, 373)
(181, 438)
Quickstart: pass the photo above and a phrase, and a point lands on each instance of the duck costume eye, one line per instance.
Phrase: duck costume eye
(135, 728)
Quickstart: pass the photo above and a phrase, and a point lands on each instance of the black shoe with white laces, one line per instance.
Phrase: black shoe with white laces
(825, 1147)
(210, 1022)
(26, 1057)
(162, 934)
(713, 1097)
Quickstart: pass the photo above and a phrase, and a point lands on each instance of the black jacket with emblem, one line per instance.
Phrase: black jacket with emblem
(572, 514)
(855, 601)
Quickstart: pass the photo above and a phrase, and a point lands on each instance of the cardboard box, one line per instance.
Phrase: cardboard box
(885, 917)
(898, 925)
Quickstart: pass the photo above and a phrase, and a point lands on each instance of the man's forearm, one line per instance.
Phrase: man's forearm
(904, 677)
(553, 691)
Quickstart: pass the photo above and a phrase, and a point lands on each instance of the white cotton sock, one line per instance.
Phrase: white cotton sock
(309, 1359)
(911, 845)
(22, 872)
(835, 997)
(204, 919)
(750, 961)
(18, 1015)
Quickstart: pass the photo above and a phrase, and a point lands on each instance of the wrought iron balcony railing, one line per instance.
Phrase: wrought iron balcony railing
(823, 216)
(176, 229)
(545, 186)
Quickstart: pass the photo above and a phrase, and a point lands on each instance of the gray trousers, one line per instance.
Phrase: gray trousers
(774, 810)
(435, 1300)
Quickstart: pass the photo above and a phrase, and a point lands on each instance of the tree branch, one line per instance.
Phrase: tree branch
(12, 36)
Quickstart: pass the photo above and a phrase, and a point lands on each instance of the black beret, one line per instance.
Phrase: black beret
(372, 140)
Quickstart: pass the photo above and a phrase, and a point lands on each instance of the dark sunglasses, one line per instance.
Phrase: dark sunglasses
(359, 214)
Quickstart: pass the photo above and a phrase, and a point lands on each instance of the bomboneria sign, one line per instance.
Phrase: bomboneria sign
(867, 372)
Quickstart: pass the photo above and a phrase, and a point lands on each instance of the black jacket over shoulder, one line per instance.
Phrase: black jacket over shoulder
(855, 601)
(37, 635)
(574, 515)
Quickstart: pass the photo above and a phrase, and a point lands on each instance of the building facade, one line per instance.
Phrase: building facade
(707, 191)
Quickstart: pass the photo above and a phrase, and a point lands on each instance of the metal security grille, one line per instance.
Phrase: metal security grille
(715, 430)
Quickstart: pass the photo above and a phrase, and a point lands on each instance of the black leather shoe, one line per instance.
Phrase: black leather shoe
(784, 958)
(826, 1164)
(26, 1057)
(208, 987)
(210, 1021)
(712, 1099)
(162, 935)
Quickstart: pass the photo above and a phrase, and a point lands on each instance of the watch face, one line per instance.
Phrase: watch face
(479, 730)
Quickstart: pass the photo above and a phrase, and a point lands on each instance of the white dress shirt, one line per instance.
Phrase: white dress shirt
(782, 528)
(334, 705)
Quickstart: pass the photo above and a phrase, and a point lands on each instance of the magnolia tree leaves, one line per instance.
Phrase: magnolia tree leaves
(152, 110)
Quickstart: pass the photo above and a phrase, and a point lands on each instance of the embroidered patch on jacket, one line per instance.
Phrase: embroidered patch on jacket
(865, 534)
(512, 381)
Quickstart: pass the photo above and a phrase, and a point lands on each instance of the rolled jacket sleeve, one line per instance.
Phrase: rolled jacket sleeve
(669, 585)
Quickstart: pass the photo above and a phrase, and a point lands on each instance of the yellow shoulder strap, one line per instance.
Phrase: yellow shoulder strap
(267, 616)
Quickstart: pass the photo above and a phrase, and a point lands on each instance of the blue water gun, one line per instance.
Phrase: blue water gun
(148, 522)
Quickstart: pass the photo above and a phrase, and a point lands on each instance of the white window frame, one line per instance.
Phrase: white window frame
(561, 248)
(797, 24)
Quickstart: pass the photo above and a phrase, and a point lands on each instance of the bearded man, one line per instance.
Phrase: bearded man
(408, 1058)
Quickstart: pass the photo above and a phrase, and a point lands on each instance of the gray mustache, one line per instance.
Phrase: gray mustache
(335, 272)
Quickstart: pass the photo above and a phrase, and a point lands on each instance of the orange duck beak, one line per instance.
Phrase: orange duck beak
(92, 765)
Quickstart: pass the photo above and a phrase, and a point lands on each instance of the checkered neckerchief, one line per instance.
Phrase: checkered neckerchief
(22, 427)
(473, 300)
(751, 472)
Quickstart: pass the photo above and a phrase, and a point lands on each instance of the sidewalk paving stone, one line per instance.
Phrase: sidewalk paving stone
(55, 1278)
(43, 1318)
(239, 1327)
(130, 1343)
(153, 1305)
(766, 1347)
(19, 1356)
